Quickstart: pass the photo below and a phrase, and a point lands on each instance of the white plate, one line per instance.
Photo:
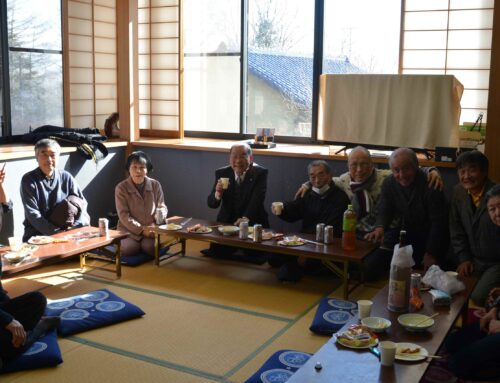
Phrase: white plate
(206, 231)
(291, 241)
(170, 227)
(421, 355)
(40, 240)
(228, 230)
(373, 342)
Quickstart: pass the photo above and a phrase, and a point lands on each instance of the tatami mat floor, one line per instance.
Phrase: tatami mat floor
(206, 320)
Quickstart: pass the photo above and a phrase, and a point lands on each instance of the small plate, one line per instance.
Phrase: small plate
(373, 342)
(411, 322)
(170, 227)
(376, 324)
(291, 241)
(410, 357)
(40, 240)
(228, 230)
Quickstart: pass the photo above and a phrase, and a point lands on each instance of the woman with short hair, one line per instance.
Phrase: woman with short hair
(137, 199)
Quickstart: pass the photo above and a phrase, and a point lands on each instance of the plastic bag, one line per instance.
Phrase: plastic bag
(403, 257)
(438, 279)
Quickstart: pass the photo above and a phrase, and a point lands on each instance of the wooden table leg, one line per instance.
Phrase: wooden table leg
(118, 259)
(157, 249)
(343, 273)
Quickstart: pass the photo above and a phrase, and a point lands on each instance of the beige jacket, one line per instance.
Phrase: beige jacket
(135, 211)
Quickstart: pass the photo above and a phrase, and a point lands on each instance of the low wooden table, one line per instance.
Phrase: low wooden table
(58, 251)
(341, 364)
(330, 255)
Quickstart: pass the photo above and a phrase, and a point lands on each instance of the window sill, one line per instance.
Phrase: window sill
(325, 152)
(16, 151)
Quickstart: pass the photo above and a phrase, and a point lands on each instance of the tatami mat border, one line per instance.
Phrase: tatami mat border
(187, 299)
(252, 355)
(147, 359)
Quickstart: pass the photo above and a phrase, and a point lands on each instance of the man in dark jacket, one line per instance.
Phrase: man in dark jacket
(323, 203)
(422, 212)
(472, 231)
(239, 190)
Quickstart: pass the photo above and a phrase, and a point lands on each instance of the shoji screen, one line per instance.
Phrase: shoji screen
(451, 37)
(158, 32)
(92, 61)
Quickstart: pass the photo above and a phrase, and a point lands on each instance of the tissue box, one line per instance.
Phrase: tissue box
(440, 298)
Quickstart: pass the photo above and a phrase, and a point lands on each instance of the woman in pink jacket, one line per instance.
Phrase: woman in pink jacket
(137, 199)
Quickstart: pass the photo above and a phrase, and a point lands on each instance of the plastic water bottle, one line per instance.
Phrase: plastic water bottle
(349, 229)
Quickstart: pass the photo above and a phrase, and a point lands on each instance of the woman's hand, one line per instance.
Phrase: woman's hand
(148, 231)
(18, 333)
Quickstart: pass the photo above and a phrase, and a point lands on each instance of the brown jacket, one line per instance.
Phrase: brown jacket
(135, 211)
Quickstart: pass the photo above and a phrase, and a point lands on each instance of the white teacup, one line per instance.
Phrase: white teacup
(364, 308)
(387, 352)
(225, 182)
(15, 243)
(277, 208)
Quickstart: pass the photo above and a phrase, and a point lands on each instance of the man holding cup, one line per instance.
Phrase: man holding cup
(323, 203)
(239, 190)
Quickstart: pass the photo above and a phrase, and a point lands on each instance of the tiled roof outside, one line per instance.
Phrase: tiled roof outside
(292, 75)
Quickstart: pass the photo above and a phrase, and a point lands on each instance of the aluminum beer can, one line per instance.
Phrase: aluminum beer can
(159, 216)
(103, 227)
(243, 230)
(328, 235)
(257, 233)
(416, 278)
(320, 232)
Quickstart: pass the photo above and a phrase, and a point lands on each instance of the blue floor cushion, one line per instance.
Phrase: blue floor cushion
(91, 310)
(331, 315)
(279, 367)
(135, 260)
(44, 352)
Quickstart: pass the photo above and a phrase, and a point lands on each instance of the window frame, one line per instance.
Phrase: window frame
(6, 118)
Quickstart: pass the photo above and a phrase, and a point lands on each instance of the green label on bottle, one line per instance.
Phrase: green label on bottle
(349, 224)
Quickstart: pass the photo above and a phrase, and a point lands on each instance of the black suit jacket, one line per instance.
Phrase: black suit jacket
(245, 200)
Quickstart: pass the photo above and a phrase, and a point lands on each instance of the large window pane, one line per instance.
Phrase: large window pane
(35, 64)
(357, 41)
(280, 66)
(36, 91)
(212, 34)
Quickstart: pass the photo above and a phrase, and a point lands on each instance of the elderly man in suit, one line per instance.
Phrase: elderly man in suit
(243, 199)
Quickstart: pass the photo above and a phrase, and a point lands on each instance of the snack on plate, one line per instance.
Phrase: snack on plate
(357, 336)
(198, 228)
(415, 350)
(266, 235)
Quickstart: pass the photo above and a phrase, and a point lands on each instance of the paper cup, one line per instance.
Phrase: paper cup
(225, 182)
(364, 308)
(15, 243)
(277, 208)
(387, 352)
